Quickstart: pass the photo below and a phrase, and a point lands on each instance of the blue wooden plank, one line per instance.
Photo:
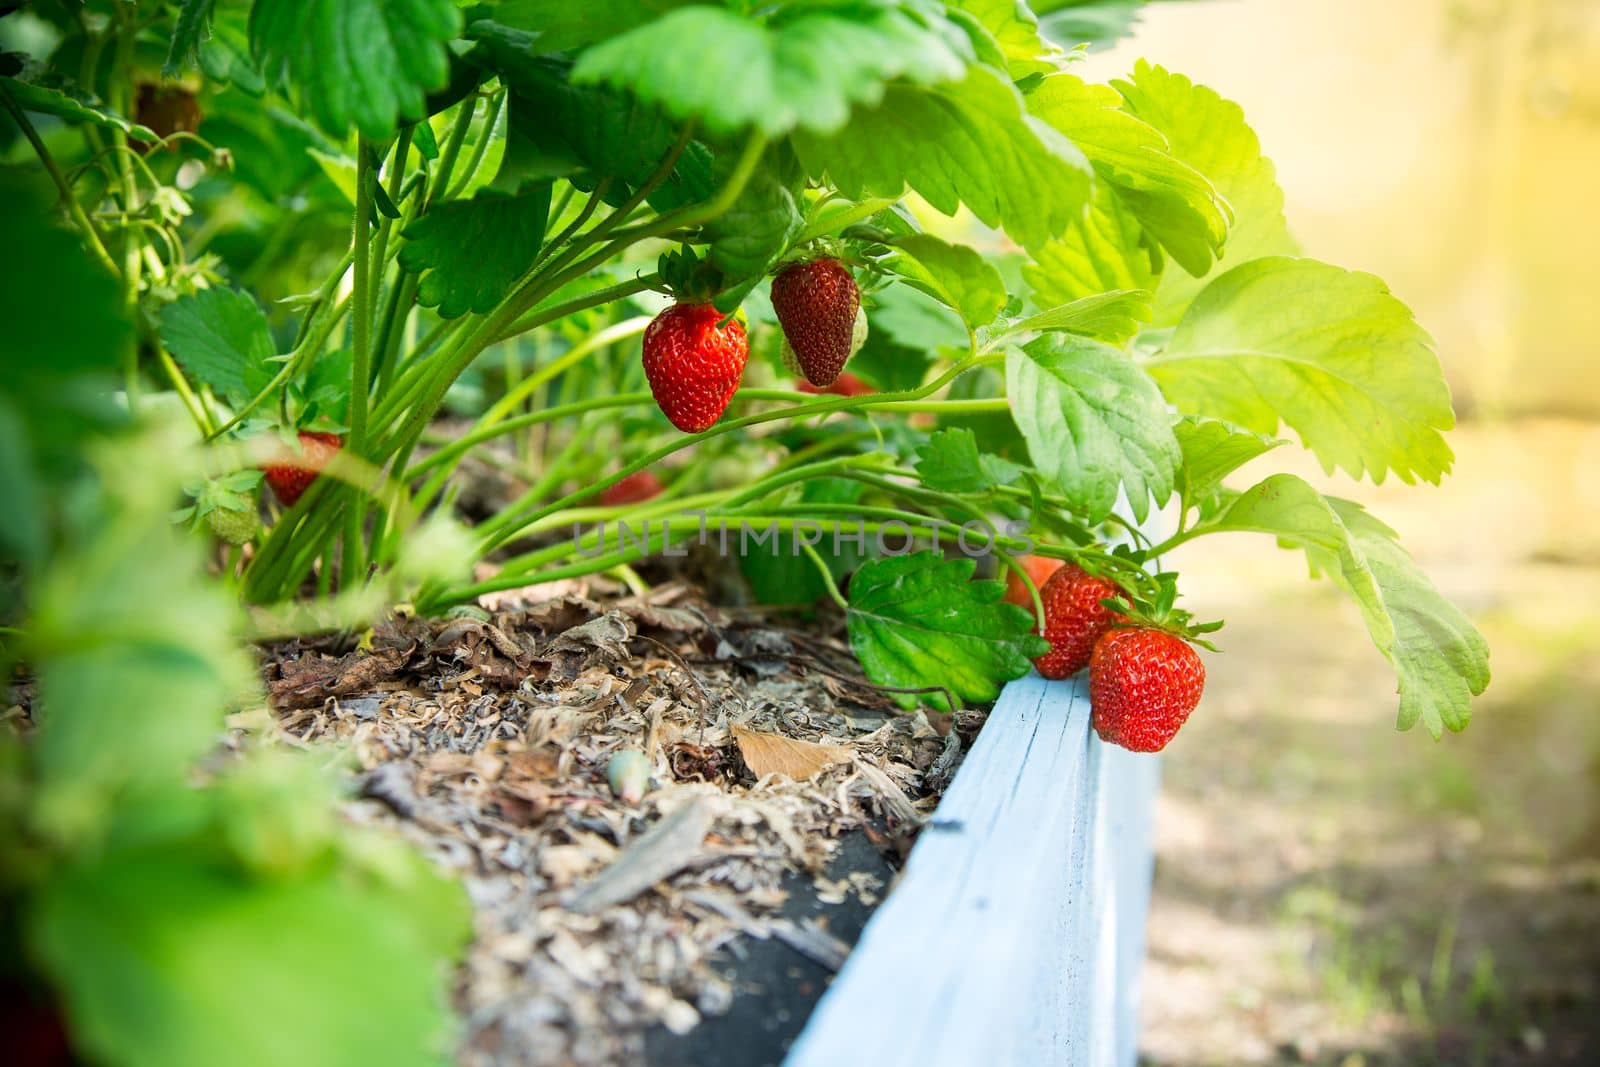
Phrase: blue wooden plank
(1134, 781)
(1016, 931)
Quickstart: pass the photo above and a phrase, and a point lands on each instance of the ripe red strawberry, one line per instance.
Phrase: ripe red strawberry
(846, 384)
(1039, 568)
(693, 364)
(634, 489)
(816, 304)
(1074, 619)
(1143, 684)
(290, 478)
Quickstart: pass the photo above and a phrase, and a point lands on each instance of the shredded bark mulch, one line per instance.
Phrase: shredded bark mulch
(485, 739)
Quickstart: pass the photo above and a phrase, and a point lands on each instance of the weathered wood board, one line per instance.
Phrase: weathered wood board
(1016, 933)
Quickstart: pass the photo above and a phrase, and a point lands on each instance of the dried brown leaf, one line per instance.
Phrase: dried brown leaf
(766, 754)
(309, 684)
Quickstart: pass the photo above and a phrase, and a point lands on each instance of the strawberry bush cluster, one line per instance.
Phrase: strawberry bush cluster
(887, 263)
(889, 269)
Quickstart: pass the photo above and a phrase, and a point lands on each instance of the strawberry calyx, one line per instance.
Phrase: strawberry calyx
(688, 278)
(820, 248)
(1160, 612)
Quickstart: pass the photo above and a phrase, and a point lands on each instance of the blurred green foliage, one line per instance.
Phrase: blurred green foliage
(179, 911)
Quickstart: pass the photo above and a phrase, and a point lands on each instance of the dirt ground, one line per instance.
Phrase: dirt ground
(1330, 891)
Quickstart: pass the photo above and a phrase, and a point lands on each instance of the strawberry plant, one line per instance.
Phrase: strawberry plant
(1054, 317)
(171, 905)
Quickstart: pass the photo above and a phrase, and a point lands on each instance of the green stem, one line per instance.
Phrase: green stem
(180, 384)
(600, 339)
(657, 177)
(499, 529)
(396, 177)
(1020, 571)
(452, 149)
(590, 206)
(692, 215)
(620, 291)
(322, 319)
(827, 577)
(465, 443)
(520, 571)
(80, 218)
(1179, 538)
(563, 201)
(482, 147)
(402, 296)
(361, 361)
(361, 296)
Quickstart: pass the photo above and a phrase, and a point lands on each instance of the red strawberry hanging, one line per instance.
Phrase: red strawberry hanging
(816, 303)
(694, 361)
(636, 488)
(1143, 683)
(1074, 619)
(1039, 568)
(290, 478)
(846, 384)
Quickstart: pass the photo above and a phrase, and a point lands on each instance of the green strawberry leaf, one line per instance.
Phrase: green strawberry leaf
(470, 252)
(1100, 251)
(1213, 449)
(950, 462)
(223, 53)
(127, 611)
(940, 141)
(955, 275)
(1441, 659)
(1174, 203)
(806, 67)
(24, 535)
(586, 132)
(748, 239)
(1113, 317)
(1015, 33)
(1328, 352)
(1095, 424)
(1209, 133)
(362, 63)
(166, 955)
(220, 337)
(55, 392)
(323, 397)
(919, 620)
(562, 25)
(189, 30)
(72, 108)
(915, 320)
(1096, 23)
(888, 361)
(89, 336)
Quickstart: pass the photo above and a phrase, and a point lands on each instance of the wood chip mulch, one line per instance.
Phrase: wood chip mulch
(485, 740)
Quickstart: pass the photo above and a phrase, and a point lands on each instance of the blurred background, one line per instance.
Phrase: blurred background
(1330, 891)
